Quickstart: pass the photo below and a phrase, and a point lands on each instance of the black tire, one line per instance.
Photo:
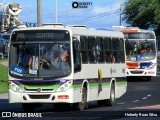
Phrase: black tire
(28, 107)
(111, 101)
(83, 104)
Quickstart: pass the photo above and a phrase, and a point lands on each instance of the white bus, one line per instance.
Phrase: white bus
(141, 55)
(93, 68)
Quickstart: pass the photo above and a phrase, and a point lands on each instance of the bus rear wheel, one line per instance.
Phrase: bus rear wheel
(111, 101)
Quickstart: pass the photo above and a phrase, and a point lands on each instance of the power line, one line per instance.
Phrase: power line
(105, 17)
(88, 18)
(93, 17)
(68, 11)
(75, 11)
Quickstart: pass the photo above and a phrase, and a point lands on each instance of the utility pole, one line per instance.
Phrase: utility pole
(39, 13)
(56, 11)
(120, 20)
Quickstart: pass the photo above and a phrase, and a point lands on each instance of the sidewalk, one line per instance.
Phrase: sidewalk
(5, 63)
(4, 96)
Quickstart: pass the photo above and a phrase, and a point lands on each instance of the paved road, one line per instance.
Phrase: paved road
(141, 96)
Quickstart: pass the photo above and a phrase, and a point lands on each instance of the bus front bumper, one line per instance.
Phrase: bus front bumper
(56, 97)
(140, 72)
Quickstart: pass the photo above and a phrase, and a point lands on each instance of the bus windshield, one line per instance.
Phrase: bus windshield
(140, 50)
(37, 58)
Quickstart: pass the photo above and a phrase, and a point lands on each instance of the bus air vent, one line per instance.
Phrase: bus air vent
(53, 25)
(39, 96)
(78, 26)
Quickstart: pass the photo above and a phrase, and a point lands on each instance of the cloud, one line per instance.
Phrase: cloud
(105, 9)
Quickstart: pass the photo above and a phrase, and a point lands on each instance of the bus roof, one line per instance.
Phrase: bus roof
(77, 31)
(135, 30)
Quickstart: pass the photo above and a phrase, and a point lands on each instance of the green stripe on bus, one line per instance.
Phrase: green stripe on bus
(121, 83)
(44, 87)
(76, 86)
(9, 87)
(96, 84)
(106, 84)
(93, 84)
(21, 86)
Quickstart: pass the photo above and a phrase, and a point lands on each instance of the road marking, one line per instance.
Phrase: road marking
(135, 101)
(121, 103)
(144, 98)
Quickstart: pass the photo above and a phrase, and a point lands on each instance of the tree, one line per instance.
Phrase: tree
(144, 14)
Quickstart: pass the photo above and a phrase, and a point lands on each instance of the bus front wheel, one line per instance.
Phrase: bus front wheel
(83, 104)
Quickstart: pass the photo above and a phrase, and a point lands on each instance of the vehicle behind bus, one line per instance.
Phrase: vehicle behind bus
(141, 53)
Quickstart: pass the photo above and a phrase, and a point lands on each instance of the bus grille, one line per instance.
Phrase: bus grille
(37, 82)
(136, 72)
(30, 90)
(39, 96)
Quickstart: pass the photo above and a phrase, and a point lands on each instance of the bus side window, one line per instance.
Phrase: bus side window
(107, 49)
(92, 49)
(121, 53)
(99, 49)
(84, 49)
(116, 49)
(76, 55)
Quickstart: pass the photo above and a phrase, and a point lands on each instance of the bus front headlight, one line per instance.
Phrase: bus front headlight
(15, 87)
(64, 86)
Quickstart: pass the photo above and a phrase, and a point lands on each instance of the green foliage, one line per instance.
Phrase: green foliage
(3, 79)
(143, 13)
(3, 87)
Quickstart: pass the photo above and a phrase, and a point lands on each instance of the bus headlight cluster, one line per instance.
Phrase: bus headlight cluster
(64, 86)
(15, 87)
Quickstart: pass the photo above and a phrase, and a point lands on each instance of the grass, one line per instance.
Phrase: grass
(3, 78)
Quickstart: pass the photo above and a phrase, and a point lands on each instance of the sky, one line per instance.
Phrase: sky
(98, 14)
